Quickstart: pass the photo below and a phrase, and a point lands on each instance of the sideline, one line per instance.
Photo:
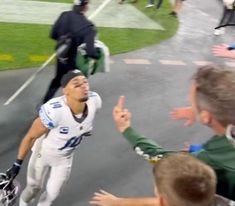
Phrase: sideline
(33, 76)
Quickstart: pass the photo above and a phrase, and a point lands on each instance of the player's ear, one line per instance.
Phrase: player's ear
(65, 91)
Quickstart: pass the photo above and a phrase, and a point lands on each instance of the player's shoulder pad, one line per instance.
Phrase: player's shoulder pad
(55, 103)
(50, 112)
(93, 96)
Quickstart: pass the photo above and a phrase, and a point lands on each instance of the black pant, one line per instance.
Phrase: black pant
(61, 69)
(227, 17)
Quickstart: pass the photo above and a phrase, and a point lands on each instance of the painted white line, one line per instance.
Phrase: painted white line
(99, 9)
(136, 61)
(31, 78)
(230, 64)
(202, 63)
(171, 62)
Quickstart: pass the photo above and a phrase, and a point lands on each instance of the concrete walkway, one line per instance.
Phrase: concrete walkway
(113, 14)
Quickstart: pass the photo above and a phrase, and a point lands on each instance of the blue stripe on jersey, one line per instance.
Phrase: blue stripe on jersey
(92, 94)
(46, 120)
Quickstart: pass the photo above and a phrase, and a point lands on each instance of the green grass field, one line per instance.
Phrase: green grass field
(21, 41)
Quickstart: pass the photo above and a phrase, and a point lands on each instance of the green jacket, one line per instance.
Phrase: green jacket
(218, 152)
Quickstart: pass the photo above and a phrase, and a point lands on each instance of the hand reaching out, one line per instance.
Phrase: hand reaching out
(222, 51)
(184, 113)
(103, 198)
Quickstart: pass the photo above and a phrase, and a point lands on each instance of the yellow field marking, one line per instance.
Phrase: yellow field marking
(38, 58)
(6, 57)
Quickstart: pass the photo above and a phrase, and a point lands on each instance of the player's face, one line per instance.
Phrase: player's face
(78, 88)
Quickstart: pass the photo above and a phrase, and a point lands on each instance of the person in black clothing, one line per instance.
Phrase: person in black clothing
(227, 17)
(71, 28)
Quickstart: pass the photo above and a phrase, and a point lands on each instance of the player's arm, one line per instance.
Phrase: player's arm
(37, 130)
(143, 146)
(103, 198)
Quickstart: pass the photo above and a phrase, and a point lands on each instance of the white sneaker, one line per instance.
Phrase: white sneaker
(149, 5)
(219, 31)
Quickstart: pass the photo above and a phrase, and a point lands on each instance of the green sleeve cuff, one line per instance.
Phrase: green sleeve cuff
(131, 135)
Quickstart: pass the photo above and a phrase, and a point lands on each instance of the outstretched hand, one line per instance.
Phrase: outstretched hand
(184, 113)
(121, 116)
(103, 198)
(222, 51)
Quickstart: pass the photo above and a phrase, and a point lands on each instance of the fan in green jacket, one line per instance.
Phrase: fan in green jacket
(212, 97)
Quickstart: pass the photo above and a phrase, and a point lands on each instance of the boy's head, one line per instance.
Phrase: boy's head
(182, 180)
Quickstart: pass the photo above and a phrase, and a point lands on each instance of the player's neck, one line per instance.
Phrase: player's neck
(75, 106)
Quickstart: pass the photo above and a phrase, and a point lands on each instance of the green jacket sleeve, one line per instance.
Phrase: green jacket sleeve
(204, 156)
(144, 146)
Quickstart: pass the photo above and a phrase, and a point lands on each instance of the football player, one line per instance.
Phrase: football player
(62, 124)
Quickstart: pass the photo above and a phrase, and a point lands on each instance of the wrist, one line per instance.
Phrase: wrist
(123, 129)
(18, 162)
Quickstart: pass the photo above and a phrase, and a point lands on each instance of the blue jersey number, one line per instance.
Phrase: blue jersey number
(72, 142)
(75, 141)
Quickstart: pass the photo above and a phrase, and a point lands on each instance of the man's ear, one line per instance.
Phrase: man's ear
(205, 117)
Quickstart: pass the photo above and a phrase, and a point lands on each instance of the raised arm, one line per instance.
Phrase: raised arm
(143, 146)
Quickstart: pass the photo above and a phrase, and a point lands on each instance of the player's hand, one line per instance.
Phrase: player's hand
(121, 116)
(103, 198)
(184, 113)
(13, 171)
(222, 51)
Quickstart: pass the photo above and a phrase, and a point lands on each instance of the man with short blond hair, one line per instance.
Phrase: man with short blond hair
(183, 180)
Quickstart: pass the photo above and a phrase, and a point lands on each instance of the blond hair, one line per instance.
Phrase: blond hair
(185, 181)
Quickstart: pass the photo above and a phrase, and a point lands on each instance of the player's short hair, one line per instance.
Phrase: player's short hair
(215, 92)
(185, 181)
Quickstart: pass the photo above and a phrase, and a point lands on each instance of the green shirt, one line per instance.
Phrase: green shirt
(218, 152)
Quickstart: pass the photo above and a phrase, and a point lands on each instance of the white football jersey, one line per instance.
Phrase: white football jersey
(66, 129)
